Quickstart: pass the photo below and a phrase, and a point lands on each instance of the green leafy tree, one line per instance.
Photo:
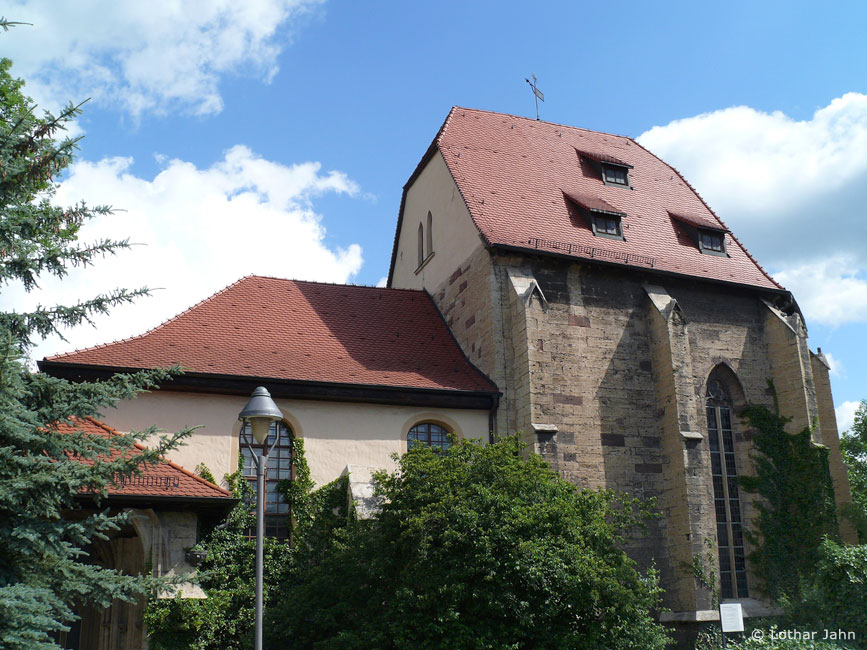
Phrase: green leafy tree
(225, 619)
(853, 446)
(796, 509)
(44, 568)
(477, 547)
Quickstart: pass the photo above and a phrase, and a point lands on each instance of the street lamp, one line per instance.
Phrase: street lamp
(259, 412)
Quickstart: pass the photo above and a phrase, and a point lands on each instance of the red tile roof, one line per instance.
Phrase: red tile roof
(163, 480)
(699, 222)
(603, 158)
(513, 173)
(305, 331)
(593, 203)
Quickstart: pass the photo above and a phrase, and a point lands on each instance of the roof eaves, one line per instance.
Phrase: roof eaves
(655, 271)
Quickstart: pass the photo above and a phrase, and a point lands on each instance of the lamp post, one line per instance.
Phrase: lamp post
(259, 412)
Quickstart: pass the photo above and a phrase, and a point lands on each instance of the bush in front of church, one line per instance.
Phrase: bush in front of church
(480, 546)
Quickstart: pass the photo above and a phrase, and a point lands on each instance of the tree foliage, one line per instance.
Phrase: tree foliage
(225, 620)
(44, 566)
(477, 547)
(795, 507)
(853, 446)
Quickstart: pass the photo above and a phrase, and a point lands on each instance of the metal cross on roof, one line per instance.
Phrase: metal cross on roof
(538, 93)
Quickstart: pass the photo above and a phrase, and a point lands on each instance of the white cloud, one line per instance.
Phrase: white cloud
(846, 415)
(202, 230)
(836, 366)
(795, 193)
(832, 291)
(382, 282)
(143, 56)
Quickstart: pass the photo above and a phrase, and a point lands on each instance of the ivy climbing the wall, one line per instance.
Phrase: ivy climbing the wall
(225, 619)
(795, 503)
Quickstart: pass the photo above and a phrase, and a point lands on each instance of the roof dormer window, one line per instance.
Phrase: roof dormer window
(712, 242)
(615, 174)
(606, 225)
(708, 234)
(603, 218)
(612, 170)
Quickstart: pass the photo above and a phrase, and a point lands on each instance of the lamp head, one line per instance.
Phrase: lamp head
(260, 411)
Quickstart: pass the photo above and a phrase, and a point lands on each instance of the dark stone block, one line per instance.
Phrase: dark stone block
(574, 400)
(648, 468)
(613, 440)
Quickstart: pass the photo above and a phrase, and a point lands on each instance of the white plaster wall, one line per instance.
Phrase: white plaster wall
(455, 236)
(336, 434)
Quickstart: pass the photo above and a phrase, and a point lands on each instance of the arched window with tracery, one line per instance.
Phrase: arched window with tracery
(726, 495)
(429, 434)
(279, 468)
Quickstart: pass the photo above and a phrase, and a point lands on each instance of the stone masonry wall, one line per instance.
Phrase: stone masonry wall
(831, 439)
(610, 389)
(591, 373)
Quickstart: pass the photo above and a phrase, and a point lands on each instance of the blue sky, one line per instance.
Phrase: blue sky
(274, 136)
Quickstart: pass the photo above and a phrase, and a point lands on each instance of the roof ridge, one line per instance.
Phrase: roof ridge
(530, 119)
(715, 216)
(141, 447)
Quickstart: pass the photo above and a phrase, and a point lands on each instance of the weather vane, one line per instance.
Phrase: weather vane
(538, 93)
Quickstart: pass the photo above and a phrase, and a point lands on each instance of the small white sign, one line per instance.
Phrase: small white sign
(731, 617)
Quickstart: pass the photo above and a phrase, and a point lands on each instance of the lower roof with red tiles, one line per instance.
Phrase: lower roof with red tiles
(165, 479)
(267, 327)
(516, 176)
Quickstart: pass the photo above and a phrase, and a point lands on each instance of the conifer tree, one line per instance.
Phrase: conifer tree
(44, 567)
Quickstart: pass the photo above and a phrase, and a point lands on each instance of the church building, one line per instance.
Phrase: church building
(545, 279)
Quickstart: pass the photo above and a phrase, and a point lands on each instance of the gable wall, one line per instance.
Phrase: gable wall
(455, 237)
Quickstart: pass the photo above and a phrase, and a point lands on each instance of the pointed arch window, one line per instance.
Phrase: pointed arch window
(429, 248)
(279, 468)
(726, 495)
(420, 244)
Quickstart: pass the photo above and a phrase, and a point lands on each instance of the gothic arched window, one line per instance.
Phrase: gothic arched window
(430, 434)
(279, 468)
(726, 496)
(420, 244)
(429, 249)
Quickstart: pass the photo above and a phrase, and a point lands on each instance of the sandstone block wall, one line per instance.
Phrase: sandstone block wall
(604, 370)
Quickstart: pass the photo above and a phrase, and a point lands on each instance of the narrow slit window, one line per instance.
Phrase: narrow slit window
(727, 504)
(420, 244)
(429, 249)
